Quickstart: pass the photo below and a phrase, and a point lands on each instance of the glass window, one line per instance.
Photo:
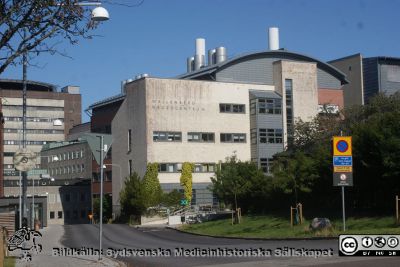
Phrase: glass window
(200, 137)
(231, 108)
(60, 213)
(51, 214)
(167, 136)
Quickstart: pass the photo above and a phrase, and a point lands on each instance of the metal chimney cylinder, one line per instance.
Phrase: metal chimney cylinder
(220, 54)
(199, 58)
(211, 57)
(273, 38)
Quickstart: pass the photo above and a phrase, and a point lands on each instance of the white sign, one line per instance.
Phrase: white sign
(24, 160)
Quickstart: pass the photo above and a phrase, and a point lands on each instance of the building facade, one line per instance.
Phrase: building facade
(50, 116)
(69, 165)
(368, 77)
(244, 106)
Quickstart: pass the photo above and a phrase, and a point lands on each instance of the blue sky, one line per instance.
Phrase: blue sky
(158, 36)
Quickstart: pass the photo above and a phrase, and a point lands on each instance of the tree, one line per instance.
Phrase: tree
(37, 26)
(294, 174)
(241, 184)
(172, 199)
(151, 186)
(186, 180)
(132, 197)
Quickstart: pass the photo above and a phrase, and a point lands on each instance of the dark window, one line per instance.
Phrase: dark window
(233, 138)
(67, 214)
(253, 136)
(129, 140)
(130, 167)
(272, 136)
(83, 214)
(200, 137)
(289, 107)
(67, 197)
(253, 106)
(83, 196)
(168, 167)
(59, 215)
(75, 214)
(167, 136)
(269, 106)
(232, 108)
(51, 214)
(266, 164)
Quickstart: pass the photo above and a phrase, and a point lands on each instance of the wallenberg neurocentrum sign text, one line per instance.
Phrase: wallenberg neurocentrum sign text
(342, 161)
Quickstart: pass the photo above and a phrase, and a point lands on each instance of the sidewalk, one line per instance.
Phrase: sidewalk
(51, 237)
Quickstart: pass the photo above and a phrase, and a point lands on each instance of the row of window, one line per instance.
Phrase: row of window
(199, 137)
(11, 166)
(77, 168)
(267, 136)
(32, 119)
(19, 142)
(33, 108)
(34, 131)
(78, 154)
(177, 167)
(266, 106)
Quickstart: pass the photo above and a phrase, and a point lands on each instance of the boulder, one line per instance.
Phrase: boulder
(320, 223)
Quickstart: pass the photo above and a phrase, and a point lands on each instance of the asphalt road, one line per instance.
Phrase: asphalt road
(170, 243)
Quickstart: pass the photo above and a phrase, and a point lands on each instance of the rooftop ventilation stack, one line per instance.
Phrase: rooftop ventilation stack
(190, 64)
(273, 36)
(211, 57)
(220, 54)
(199, 57)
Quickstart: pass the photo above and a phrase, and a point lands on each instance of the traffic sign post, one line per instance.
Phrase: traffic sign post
(342, 166)
(99, 144)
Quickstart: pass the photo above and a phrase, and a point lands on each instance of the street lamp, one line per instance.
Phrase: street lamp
(98, 14)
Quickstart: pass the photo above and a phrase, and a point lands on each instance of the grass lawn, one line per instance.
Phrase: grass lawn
(9, 261)
(275, 227)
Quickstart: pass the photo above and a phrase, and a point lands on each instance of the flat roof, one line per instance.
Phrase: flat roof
(12, 84)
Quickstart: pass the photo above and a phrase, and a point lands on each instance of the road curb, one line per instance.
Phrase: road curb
(258, 238)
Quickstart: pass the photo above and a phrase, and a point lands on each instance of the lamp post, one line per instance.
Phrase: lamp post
(98, 14)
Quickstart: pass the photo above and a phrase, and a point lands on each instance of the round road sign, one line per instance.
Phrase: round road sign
(343, 177)
(342, 146)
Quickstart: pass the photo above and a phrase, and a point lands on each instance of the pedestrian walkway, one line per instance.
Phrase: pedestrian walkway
(51, 237)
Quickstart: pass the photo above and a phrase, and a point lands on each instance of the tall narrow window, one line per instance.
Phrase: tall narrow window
(129, 140)
(289, 108)
(130, 167)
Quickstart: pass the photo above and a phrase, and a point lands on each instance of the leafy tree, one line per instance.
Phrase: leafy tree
(37, 26)
(294, 174)
(186, 180)
(132, 197)
(172, 199)
(151, 185)
(241, 184)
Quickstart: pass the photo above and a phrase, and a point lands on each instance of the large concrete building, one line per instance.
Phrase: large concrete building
(245, 105)
(50, 116)
(368, 77)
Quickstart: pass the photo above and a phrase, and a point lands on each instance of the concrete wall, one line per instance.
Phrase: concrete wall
(305, 90)
(352, 66)
(131, 115)
(193, 106)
